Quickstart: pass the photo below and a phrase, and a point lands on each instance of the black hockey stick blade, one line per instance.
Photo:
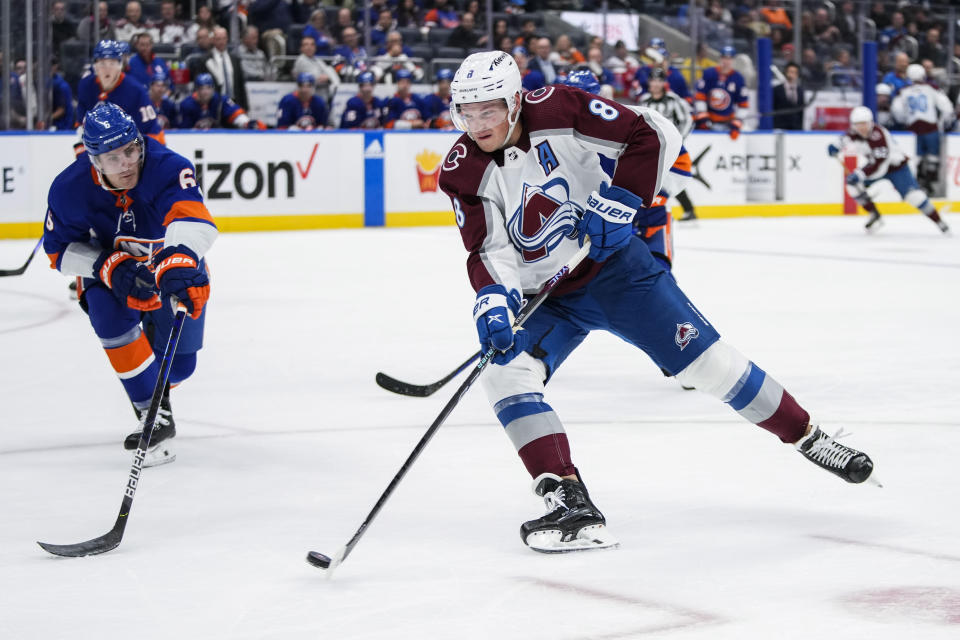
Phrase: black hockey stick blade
(104, 543)
(19, 271)
(417, 390)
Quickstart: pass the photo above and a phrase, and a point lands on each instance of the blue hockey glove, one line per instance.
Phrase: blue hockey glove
(855, 177)
(833, 150)
(129, 279)
(179, 273)
(493, 313)
(608, 221)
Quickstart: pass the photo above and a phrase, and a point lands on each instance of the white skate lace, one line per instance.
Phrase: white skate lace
(554, 499)
(828, 451)
(162, 420)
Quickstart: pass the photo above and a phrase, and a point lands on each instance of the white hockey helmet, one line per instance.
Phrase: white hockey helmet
(861, 114)
(883, 89)
(484, 76)
(916, 73)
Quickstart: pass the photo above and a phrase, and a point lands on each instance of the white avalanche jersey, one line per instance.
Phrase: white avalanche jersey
(922, 109)
(518, 208)
(877, 154)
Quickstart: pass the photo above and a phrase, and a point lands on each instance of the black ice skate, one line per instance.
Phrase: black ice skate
(840, 460)
(874, 222)
(572, 522)
(688, 215)
(164, 429)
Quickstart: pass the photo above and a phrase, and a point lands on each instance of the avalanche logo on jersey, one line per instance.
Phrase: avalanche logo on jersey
(686, 332)
(719, 98)
(542, 221)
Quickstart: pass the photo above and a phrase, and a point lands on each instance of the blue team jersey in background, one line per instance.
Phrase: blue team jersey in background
(220, 112)
(293, 111)
(129, 95)
(360, 115)
(722, 94)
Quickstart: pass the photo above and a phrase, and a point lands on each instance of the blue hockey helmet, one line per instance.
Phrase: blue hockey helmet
(203, 80)
(402, 74)
(108, 49)
(107, 127)
(366, 78)
(445, 74)
(306, 78)
(728, 52)
(658, 43)
(583, 79)
(159, 76)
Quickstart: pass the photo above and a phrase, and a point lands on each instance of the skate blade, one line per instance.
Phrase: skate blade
(159, 455)
(873, 226)
(873, 481)
(588, 538)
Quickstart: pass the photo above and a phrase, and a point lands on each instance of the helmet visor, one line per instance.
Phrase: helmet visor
(480, 116)
(119, 160)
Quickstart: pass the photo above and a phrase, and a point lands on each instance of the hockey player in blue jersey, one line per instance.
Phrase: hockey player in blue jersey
(364, 110)
(303, 109)
(720, 97)
(128, 219)
(108, 83)
(436, 106)
(168, 112)
(405, 109)
(206, 109)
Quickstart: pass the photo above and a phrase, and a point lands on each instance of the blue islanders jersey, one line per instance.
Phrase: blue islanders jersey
(437, 109)
(305, 115)
(168, 113)
(719, 96)
(219, 113)
(135, 220)
(63, 97)
(129, 95)
(143, 70)
(404, 110)
(363, 115)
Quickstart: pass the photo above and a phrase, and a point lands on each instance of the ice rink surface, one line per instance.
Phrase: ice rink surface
(284, 443)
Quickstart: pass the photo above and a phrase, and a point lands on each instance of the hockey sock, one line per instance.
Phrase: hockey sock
(137, 368)
(864, 201)
(537, 434)
(684, 201)
(761, 400)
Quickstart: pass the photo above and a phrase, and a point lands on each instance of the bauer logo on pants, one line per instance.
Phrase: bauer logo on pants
(685, 333)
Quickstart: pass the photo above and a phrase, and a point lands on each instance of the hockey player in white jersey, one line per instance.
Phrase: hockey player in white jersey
(928, 113)
(879, 158)
(527, 189)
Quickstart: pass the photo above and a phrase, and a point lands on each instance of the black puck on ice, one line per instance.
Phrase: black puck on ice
(318, 560)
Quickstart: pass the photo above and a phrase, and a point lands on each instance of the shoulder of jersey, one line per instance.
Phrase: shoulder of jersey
(464, 167)
(71, 181)
(550, 107)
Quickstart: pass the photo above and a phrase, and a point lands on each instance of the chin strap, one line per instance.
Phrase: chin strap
(513, 124)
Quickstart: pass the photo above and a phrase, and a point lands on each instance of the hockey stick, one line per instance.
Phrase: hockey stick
(421, 391)
(330, 563)
(111, 540)
(20, 270)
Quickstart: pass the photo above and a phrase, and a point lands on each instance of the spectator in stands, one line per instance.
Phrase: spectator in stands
(302, 110)
(841, 72)
(395, 58)
(506, 44)
(325, 76)
(890, 36)
(144, 63)
(622, 61)
(932, 49)
(364, 110)
(197, 60)
(443, 15)
(826, 32)
(752, 25)
(808, 32)
(528, 33)
(474, 7)
(594, 62)
(531, 79)
(62, 27)
(253, 60)
(106, 30)
(776, 16)
(272, 18)
(170, 30)
(385, 24)
(501, 30)
(317, 29)
(674, 77)
(408, 14)
(565, 54)
(897, 77)
(133, 23)
(344, 21)
(62, 113)
(376, 7)
(811, 70)
(350, 49)
(880, 16)
(226, 70)
(541, 60)
(203, 20)
(168, 113)
(788, 101)
(846, 21)
(465, 36)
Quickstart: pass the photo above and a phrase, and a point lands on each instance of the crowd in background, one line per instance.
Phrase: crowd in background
(324, 41)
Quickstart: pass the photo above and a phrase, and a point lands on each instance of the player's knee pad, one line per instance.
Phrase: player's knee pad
(522, 375)
(716, 371)
(182, 367)
(917, 198)
(856, 191)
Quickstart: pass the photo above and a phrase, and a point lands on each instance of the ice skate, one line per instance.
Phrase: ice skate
(874, 222)
(164, 429)
(842, 461)
(944, 227)
(572, 522)
(688, 216)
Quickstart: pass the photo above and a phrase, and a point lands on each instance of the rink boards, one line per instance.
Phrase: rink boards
(256, 181)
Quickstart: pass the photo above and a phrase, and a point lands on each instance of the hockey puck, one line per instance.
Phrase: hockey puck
(318, 560)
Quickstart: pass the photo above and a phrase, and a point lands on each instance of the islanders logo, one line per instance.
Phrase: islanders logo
(719, 99)
(428, 170)
(544, 218)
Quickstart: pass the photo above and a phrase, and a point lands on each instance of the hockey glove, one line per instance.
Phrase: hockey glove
(179, 274)
(493, 313)
(833, 150)
(129, 279)
(735, 126)
(608, 221)
(855, 177)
